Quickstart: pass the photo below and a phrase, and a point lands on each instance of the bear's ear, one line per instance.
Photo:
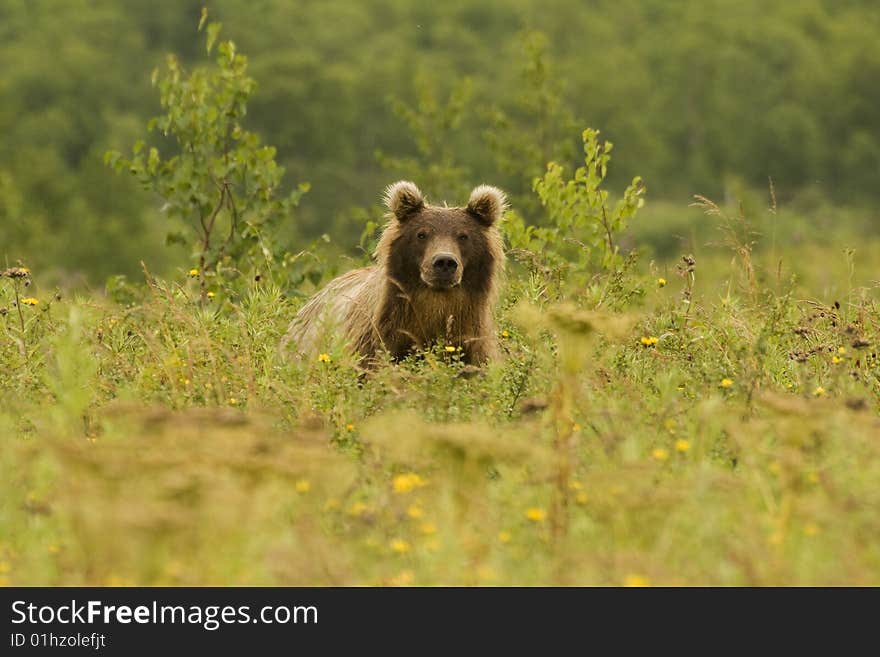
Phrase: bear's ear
(487, 204)
(404, 199)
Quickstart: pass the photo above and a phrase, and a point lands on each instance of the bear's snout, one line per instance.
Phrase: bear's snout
(442, 270)
(445, 264)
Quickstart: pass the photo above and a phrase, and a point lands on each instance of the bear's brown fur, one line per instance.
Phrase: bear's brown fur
(436, 277)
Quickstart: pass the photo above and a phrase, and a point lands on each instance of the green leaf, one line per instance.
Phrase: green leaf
(213, 32)
(203, 18)
(153, 161)
(111, 157)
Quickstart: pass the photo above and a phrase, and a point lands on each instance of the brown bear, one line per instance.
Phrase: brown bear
(436, 278)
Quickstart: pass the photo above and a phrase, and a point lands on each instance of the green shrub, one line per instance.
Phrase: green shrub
(221, 184)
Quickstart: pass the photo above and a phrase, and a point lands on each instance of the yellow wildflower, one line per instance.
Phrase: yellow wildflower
(415, 511)
(634, 580)
(660, 454)
(649, 341)
(682, 445)
(303, 486)
(357, 509)
(399, 545)
(30, 301)
(819, 391)
(349, 427)
(193, 273)
(726, 383)
(581, 498)
(504, 536)
(407, 482)
(428, 528)
(323, 358)
(211, 295)
(841, 350)
(661, 282)
(535, 514)
(836, 359)
(505, 334)
(450, 349)
(811, 529)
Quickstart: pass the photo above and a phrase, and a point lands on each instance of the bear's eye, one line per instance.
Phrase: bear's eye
(422, 234)
(463, 237)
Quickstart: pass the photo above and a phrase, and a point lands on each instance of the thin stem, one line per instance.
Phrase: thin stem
(22, 345)
(607, 231)
(230, 203)
(207, 229)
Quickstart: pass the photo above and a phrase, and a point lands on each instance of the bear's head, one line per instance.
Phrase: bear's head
(440, 247)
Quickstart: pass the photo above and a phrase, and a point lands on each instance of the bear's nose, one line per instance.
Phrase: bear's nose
(444, 263)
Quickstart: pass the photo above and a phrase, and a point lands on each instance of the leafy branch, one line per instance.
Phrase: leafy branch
(221, 174)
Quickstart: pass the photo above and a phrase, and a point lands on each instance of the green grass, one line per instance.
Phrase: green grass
(149, 438)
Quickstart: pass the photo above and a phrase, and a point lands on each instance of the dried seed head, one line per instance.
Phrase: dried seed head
(17, 272)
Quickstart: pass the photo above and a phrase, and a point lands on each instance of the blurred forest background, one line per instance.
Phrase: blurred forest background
(711, 97)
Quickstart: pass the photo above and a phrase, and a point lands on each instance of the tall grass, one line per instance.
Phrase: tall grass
(716, 429)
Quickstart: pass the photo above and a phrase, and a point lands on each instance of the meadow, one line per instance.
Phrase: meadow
(702, 422)
(688, 393)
